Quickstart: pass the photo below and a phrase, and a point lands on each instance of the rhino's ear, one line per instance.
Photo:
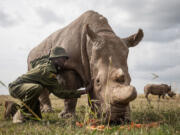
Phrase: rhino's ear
(93, 36)
(134, 39)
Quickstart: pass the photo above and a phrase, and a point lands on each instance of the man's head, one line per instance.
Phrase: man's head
(58, 56)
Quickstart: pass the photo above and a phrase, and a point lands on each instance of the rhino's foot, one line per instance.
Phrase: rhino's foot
(65, 114)
(10, 109)
(47, 109)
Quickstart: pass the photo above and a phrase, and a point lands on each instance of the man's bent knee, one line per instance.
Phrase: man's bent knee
(32, 89)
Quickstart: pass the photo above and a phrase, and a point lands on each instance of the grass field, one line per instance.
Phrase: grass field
(166, 113)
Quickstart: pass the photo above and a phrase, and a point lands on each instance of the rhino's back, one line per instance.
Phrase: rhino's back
(70, 37)
(59, 38)
(155, 89)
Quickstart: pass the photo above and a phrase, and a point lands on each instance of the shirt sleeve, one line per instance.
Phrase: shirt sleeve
(66, 94)
(47, 78)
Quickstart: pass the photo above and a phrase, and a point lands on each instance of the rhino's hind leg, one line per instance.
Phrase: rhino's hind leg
(10, 109)
(159, 98)
(71, 81)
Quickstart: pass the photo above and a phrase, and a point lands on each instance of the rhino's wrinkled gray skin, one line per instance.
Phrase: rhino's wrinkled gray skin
(158, 89)
(99, 56)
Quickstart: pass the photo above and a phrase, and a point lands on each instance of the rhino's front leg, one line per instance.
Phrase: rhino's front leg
(69, 108)
(70, 81)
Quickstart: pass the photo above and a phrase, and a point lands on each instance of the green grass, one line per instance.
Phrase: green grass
(166, 111)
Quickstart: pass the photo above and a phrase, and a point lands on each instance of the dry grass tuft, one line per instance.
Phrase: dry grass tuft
(166, 113)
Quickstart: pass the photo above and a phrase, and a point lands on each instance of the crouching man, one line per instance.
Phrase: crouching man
(29, 86)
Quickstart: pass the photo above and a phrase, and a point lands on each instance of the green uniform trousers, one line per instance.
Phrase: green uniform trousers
(28, 93)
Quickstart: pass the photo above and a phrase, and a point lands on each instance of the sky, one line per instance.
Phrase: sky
(24, 24)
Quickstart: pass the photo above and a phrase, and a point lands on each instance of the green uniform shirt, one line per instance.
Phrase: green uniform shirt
(45, 74)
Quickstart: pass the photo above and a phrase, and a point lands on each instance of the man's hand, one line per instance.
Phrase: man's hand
(86, 90)
(82, 92)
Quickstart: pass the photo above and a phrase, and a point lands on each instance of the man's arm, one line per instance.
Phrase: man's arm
(68, 94)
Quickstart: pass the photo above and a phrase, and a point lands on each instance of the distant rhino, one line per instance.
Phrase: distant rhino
(97, 56)
(158, 89)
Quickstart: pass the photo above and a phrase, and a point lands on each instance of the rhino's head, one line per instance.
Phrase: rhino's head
(171, 94)
(112, 91)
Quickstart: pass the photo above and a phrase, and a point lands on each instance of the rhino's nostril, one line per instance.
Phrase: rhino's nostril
(98, 81)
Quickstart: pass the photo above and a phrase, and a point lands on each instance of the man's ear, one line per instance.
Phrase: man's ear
(134, 39)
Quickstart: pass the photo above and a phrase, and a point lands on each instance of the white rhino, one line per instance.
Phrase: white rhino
(158, 89)
(97, 56)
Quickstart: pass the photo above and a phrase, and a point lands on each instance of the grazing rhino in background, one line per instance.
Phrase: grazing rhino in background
(158, 89)
(97, 56)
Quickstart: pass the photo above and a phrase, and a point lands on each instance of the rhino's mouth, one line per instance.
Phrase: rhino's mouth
(120, 114)
(113, 114)
(115, 107)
